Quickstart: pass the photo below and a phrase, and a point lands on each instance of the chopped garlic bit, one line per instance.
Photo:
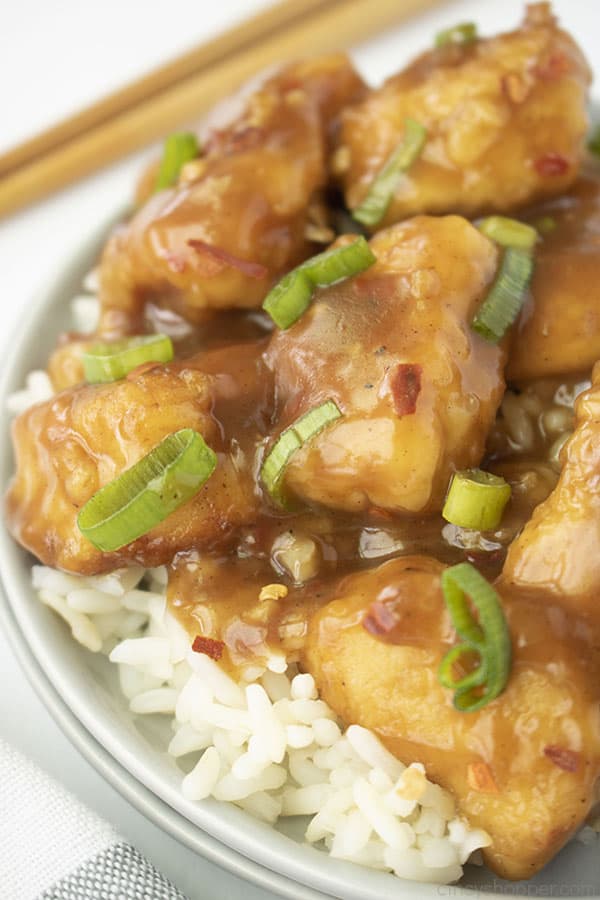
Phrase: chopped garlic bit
(296, 554)
(192, 171)
(273, 592)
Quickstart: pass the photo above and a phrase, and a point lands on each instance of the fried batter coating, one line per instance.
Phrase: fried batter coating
(72, 445)
(219, 238)
(524, 767)
(559, 329)
(392, 347)
(65, 366)
(505, 118)
(558, 551)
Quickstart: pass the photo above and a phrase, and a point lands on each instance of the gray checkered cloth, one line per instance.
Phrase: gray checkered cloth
(54, 848)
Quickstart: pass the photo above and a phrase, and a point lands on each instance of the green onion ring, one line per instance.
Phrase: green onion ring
(290, 440)
(178, 149)
(476, 499)
(103, 363)
(375, 205)
(505, 298)
(509, 232)
(473, 679)
(465, 33)
(286, 302)
(489, 638)
(145, 494)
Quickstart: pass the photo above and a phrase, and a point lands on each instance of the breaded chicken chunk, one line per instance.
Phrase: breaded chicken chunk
(418, 389)
(72, 445)
(559, 329)
(65, 365)
(523, 767)
(505, 119)
(219, 237)
(558, 551)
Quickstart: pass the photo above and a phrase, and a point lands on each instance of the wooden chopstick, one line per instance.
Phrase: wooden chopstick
(322, 27)
(220, 48)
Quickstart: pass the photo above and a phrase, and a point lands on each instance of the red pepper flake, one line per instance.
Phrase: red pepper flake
(480, 778)
(175, 263)
(224, 141)
(551, 164)
(215, 141)
(563, 758)
(218, 259)
(406, 387)
(209, 646)
(554, 67)
(245, 138)
(379, 619)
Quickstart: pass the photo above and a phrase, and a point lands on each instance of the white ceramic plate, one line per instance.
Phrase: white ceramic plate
(82, 692)
(88, 687)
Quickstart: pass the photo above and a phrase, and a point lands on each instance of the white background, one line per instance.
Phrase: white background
(56, 55)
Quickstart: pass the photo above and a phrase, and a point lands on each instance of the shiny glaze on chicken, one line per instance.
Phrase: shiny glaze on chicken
(505, 120)
(503, 762)
(250, 196)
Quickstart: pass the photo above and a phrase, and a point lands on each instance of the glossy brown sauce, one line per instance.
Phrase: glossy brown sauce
(219, 596)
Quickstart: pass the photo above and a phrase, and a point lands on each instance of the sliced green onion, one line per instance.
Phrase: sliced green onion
(178, 150)
(546, 225)
(375, 205)
(109, 362)
(465, 33)
(290, 440)
(487, 637)
(594, 142)
(289, 299)
(472, 679)
(286, 302)
(505, 298)
(509, 232)
(145, 494)
(476, 499)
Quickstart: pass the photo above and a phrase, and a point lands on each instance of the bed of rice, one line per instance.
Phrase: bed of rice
(267, 743)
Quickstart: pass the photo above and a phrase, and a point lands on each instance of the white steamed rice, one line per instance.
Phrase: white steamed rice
(268, 743)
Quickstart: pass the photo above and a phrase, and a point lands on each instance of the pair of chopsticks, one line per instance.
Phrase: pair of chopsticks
(185, 88)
